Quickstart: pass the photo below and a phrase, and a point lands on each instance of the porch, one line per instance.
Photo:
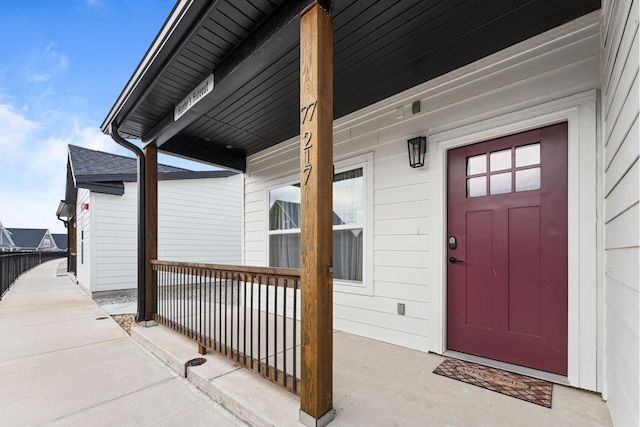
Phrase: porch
(84, 366)
(248, 132)
(375, 384)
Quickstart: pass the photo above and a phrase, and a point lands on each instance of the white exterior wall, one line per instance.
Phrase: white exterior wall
(622, 192)
(115, 239)
(199, 220)
(83, 224)
(544, 80)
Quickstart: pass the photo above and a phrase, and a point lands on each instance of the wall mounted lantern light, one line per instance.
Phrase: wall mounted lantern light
(417, 150)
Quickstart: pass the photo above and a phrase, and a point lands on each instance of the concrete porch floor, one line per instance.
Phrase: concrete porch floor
(375, 384)
(62, 361)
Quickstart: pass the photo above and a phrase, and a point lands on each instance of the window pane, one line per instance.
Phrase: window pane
(500, 160)
(348, 208)
(528, 155)
(348, 197)
(528, 179)
(477, 186)
(284, 208)
(284, 250)
(477, 164)
(347, 254)
(501, 183)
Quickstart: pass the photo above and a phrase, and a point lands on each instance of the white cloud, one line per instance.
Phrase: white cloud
(33, 161)
(16, 130)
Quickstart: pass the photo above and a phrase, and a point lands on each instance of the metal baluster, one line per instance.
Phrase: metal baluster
(266, 318)
(220, 314)
(284, 333)
(244, 319)
(164, 293)
(209, 309)
(226, 317)
(192, 301)
(215, 306)
(253, 278)
(295, 337)
(184, 300)
(174, 295)
(200, 311)
(275, 330)
(238, 318)
(231, 318)
(259, 320)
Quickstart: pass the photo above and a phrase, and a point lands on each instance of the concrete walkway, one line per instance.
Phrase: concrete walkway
(64, 361)
(60, 364)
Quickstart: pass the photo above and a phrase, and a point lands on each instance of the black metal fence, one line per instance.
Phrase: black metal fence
(248, 314)
(13, 264)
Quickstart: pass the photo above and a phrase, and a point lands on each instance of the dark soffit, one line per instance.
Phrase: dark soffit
(381, 48)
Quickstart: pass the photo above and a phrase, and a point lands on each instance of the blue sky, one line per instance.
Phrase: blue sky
(62, 66)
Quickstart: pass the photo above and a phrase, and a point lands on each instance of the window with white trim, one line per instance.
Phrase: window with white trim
(349, 219)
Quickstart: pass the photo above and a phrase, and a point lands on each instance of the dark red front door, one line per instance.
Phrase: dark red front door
(507, 249)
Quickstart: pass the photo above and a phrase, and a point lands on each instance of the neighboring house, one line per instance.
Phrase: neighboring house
(199, 218)
(61, 241)
(32, 239)
(6, 243)
(517, 242)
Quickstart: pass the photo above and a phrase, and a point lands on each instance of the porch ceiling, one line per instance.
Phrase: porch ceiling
(252, 46)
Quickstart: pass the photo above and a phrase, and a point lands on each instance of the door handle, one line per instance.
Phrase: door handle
(454, 260)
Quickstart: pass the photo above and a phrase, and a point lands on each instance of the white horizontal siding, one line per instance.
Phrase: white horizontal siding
(622, 218)
(115, 247)
(546, 68)
(198, 220)
(83, 223)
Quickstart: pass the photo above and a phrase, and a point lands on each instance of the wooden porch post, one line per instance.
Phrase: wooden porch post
(316, 240)
(151, 228)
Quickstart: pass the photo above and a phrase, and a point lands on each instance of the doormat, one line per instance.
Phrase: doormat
(515, 385)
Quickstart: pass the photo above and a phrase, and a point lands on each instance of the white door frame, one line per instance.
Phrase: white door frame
(584, 227)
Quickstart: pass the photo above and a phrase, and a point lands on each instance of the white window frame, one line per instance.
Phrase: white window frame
(365, 162)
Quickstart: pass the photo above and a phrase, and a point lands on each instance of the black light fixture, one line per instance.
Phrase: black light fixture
(417, 150)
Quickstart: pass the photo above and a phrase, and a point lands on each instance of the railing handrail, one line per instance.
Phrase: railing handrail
(15, 263)
(280, 272)
(230, 309)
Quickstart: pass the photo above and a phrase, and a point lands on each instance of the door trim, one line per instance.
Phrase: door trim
(584, 350)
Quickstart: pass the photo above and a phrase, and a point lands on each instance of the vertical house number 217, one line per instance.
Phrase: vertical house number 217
(306, 114)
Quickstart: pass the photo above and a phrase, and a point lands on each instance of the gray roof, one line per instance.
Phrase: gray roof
(61, 240)
(27, 238)
(100, 166)
(105, 172)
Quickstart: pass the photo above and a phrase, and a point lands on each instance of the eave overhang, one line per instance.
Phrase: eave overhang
(381, 48)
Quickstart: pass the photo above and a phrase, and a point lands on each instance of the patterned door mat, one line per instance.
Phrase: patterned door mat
(515, 385)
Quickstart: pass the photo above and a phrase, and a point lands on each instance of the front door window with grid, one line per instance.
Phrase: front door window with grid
(505, 171)
(348, 225)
